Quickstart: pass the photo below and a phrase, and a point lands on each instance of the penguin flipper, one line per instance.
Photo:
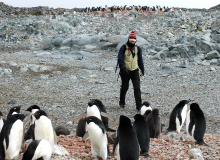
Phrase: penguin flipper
(107, 115)
(79, 117)
(85, 137)
(179, 116)
(7, 132)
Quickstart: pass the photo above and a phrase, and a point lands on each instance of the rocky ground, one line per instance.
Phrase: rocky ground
(61, 63)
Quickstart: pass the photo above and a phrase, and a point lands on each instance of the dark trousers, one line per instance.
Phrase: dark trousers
(135, 78)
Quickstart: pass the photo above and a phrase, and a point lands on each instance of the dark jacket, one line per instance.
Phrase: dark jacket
(121, 57)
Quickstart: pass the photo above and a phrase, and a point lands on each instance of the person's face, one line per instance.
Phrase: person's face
(132, 41)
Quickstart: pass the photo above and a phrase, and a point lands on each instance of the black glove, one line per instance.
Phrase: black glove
(124, 70)
(142, 72)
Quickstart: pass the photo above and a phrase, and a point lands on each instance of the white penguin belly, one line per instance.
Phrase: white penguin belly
(44, 130)
(1, 124)
(15, 140)
(187, 122)
(93, 111)
(183, 115)
(98, 140)
(144, 109)
(43, 150)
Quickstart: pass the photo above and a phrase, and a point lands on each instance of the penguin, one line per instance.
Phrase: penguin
(154, 123)
(178, 116)
(38, 149)
(33, 109)
(43, 128)
(11, 137)
(14, 110)
(61, 130)
(196, 124)
(98, 137)
(145, 106)
(81, 127)
(145, 115)
(143, 135)
(29, 132)
(2, 121)
(126, 144)
(97, 109)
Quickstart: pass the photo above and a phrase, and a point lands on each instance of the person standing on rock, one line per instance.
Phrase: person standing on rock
(130, 61)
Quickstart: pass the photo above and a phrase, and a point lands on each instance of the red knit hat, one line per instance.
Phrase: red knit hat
(132, 35)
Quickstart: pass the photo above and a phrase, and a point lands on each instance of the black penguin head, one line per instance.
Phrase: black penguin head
(32, 107)
(15, 117)
(91, 119)
(194, 107)
(155, 112)
(14, 109)
(138, 117)
(1, 113)
(92, 102)
(184, 102)
(39, 113)
(146, 103)
(124, 121)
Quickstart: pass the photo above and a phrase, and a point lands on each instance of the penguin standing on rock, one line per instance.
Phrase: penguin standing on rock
(126, 144)
(11, 137)
(178, 116)
(142, 130)
(43, 128)
(98, 137)
(196, 124)
(38, 149)
(154, 123)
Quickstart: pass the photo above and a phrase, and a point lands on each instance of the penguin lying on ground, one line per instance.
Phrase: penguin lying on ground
(11, 137)
(154, 123)
(126, 144)
(98, 137)
(97, 109)
(37, 150)
(196, 124)
(178, 116)
(143, 135)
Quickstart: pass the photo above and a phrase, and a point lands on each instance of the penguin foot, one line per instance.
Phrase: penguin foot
(144, 154)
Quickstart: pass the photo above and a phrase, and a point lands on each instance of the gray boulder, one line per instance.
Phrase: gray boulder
(115, 39)
(85, 39)
(204, 45)
(212, 55)
(215, 35)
